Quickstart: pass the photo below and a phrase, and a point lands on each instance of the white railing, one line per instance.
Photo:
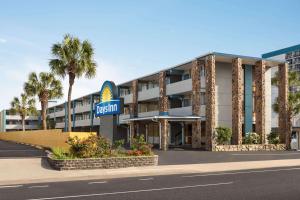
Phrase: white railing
(182, 111)
(84, 122)
(123, 117)
(17, 117)
(19, 126)
(179, 87)
(60, 125)
(127, 98)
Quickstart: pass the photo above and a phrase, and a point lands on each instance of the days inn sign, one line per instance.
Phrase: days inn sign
(109, 103)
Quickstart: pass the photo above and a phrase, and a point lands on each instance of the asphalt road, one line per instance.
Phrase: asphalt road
(258, 184)
(13, 150)
(177, 157)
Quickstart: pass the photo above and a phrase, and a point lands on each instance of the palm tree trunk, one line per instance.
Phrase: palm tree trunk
(23, 123)
(71, 82)
(44, 117)
(288, 136)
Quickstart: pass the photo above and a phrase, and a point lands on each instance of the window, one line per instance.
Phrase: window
(186, 76)
(187, 102)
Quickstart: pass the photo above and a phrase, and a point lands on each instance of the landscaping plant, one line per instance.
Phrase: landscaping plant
(223, 135)
(273, 138)
(251, 138)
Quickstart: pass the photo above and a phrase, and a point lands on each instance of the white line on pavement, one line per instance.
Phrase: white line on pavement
(99, 182)
(10, 186)
(146, 179)
(265, 154)
(243, 172)
(133, 191)
(39, 186)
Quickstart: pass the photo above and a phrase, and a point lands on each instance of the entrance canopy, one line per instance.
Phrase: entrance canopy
(169, 118)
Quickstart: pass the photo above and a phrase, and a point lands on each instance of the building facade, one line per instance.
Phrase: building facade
(291, 55)
(182, 105)
(13, 122)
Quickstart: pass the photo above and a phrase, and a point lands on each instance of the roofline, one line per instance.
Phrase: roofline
(281, 51)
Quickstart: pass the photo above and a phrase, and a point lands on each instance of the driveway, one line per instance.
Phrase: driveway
(180, 157)
(13, 150)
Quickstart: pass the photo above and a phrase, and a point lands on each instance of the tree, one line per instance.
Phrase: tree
(46, 87)
(73, 58)
(293, 107)
(23, 106)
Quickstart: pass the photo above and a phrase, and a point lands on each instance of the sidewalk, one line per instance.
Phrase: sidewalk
(36, 170)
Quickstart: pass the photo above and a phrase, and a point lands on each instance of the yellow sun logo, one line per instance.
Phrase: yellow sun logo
(106, 94)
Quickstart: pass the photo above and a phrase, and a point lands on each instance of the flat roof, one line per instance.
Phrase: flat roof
(281, 51)
(170, 118)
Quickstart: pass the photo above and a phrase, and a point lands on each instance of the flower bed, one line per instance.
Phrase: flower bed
(102, 163)
(251, 147)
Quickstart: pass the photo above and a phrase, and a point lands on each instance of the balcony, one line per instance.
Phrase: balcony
(84, 122)
(123, 117)
(148, 114)
(59, 113)
(127, 98)
(151, 93)
(82, 108)
(19, 126)
(60, 125)
(17, 117)
(179, 87)
(96, 122)
(182, 111)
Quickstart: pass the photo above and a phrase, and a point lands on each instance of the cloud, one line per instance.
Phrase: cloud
(2, 40)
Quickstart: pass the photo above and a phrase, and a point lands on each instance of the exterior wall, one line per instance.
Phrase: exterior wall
(224, 94)
(44, 138)
(268, 102)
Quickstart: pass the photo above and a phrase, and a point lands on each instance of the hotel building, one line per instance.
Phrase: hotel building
(12, 122)
(182, 105)
(291, 55)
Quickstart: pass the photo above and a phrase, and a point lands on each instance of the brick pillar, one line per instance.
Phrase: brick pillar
(210, 65)
(237, 98)
(284, 133)
(133, 108)
(163, 110)
(259, 76)
(196, 86)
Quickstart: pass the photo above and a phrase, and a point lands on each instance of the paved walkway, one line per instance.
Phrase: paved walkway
(13, 150)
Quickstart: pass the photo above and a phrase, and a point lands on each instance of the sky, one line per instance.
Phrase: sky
(132, 38)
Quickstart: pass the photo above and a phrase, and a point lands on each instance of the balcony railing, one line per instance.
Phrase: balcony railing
(148, 94)
(179, 87)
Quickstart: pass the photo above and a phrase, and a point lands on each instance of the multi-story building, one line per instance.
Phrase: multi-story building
(182, 105)
(291, 55)
(13, 122)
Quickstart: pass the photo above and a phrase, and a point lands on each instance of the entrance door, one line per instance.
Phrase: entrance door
(188, 133)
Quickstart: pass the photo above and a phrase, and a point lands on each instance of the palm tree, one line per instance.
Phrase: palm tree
(46, 87)
(24, 106)
(73, 58)
(293, 106)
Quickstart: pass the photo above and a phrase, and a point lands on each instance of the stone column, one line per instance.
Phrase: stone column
(210, 65)
(237, 98)
(259, 76)
(163, 109)
(283, 101)
(133, 108)
(196, 86)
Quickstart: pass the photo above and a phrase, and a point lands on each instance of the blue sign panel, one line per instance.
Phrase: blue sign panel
(109, 104)
(112, 107)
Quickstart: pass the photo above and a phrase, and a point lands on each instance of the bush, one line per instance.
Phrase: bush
(60, 153)
(93, 146)
(273, 138)
(223, 135)
(140, 147)
(251, 138)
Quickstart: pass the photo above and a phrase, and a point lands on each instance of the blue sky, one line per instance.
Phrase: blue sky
(135, 37)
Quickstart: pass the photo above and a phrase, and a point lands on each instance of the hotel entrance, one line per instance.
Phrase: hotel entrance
(180, 134)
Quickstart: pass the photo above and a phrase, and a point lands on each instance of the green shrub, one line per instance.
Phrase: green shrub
(273, 138)
(251, 138)
(223, 135)
(140, 147)
(59, 153)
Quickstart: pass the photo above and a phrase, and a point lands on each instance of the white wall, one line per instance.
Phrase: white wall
(224, 94)
(268, 101)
